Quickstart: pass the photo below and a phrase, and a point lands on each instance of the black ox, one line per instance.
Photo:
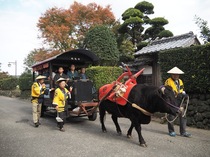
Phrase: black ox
(150, 98)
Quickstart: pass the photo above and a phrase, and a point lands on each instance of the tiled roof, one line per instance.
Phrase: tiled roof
(184, 40)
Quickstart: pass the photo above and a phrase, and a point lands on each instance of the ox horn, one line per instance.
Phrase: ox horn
(138, 73)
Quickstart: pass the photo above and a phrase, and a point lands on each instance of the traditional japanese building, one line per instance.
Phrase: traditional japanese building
(147, 57)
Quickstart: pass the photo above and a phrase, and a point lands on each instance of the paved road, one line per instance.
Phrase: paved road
(84, 138)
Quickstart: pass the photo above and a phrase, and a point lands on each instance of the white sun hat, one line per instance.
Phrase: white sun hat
(40, 77)
(61, 79)
(175, 70)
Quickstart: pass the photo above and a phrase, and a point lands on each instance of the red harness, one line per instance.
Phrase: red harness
(118, 92)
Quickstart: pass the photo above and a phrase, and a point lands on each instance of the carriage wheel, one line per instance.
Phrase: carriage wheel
(93, 116)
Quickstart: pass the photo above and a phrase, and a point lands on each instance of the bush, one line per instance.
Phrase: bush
(102, 42)
(194, 61)
(141, 45)
(103, 75)
(25, 81)
(9, 83)
(26, 94)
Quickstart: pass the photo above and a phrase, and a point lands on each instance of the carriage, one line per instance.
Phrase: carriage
(82, 102)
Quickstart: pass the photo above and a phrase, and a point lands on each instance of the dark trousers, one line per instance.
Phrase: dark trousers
(62, 115)
(182, 124)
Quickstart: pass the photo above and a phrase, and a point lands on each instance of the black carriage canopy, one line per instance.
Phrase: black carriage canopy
(77, 56)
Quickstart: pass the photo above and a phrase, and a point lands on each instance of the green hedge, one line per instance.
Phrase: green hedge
(194, 61)
(8, 83)
(25, 81)
(103, 74)
(25, 94)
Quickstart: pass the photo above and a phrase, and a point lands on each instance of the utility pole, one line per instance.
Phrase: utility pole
(15, 63)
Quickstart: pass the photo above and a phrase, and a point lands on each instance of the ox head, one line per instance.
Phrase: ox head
(168, 99)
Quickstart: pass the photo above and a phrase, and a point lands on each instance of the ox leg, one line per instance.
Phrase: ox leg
(114, 118)
(102, 113)
(129, 133)
(141, 139)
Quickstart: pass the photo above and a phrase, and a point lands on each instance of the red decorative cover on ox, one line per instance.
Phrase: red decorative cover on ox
(121, 99)
(119, 94)
(104, 90)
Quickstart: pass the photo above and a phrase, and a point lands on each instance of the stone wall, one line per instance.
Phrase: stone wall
(10, 93)
(198, 114)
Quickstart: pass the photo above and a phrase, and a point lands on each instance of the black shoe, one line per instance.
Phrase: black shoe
(186, 134)
(36, 125)
(62, 129)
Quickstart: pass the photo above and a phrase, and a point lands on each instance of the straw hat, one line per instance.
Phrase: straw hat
(175, 70)
(40, 77)
(60, 79)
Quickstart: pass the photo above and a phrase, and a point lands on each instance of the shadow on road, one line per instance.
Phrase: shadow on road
(82, 124)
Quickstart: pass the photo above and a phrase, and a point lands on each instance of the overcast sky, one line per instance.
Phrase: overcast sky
(18, 19)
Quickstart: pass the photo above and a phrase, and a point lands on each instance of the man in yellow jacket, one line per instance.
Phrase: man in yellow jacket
(178, 87)
(38, 89)
(59, 101)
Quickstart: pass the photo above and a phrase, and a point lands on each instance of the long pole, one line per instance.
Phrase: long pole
(15, 68)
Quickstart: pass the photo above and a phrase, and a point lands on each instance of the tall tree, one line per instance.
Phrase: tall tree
(37, 55)
(102, 42)
(157, 29)
(137, 19)
(29, 60)
(65, 29)
(204, 29)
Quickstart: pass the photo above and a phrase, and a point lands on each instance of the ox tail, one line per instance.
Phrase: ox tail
(141, 109)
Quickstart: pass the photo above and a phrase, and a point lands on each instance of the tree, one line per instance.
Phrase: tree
(132, 24)
(4, 75)
(127, 50)
(204, 29)
(137, 19)
(37, 55)
(102, 42)
(157, 29)
(65, 29)
(29, 60)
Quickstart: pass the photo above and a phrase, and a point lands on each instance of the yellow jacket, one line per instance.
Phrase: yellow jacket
(171, 82)
(60, 99)
(36, 91)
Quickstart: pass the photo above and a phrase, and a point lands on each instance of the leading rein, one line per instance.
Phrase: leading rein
(169, 104)
(180, 109)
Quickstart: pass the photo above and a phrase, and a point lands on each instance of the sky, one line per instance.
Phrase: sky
(19, 33)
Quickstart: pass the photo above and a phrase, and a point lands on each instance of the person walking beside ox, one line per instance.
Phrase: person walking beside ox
(178, 87)
(38, 89)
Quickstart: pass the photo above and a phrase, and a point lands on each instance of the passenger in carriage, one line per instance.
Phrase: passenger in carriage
(60, 74)
(72, 73)
(178, 87)
(82, 74)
